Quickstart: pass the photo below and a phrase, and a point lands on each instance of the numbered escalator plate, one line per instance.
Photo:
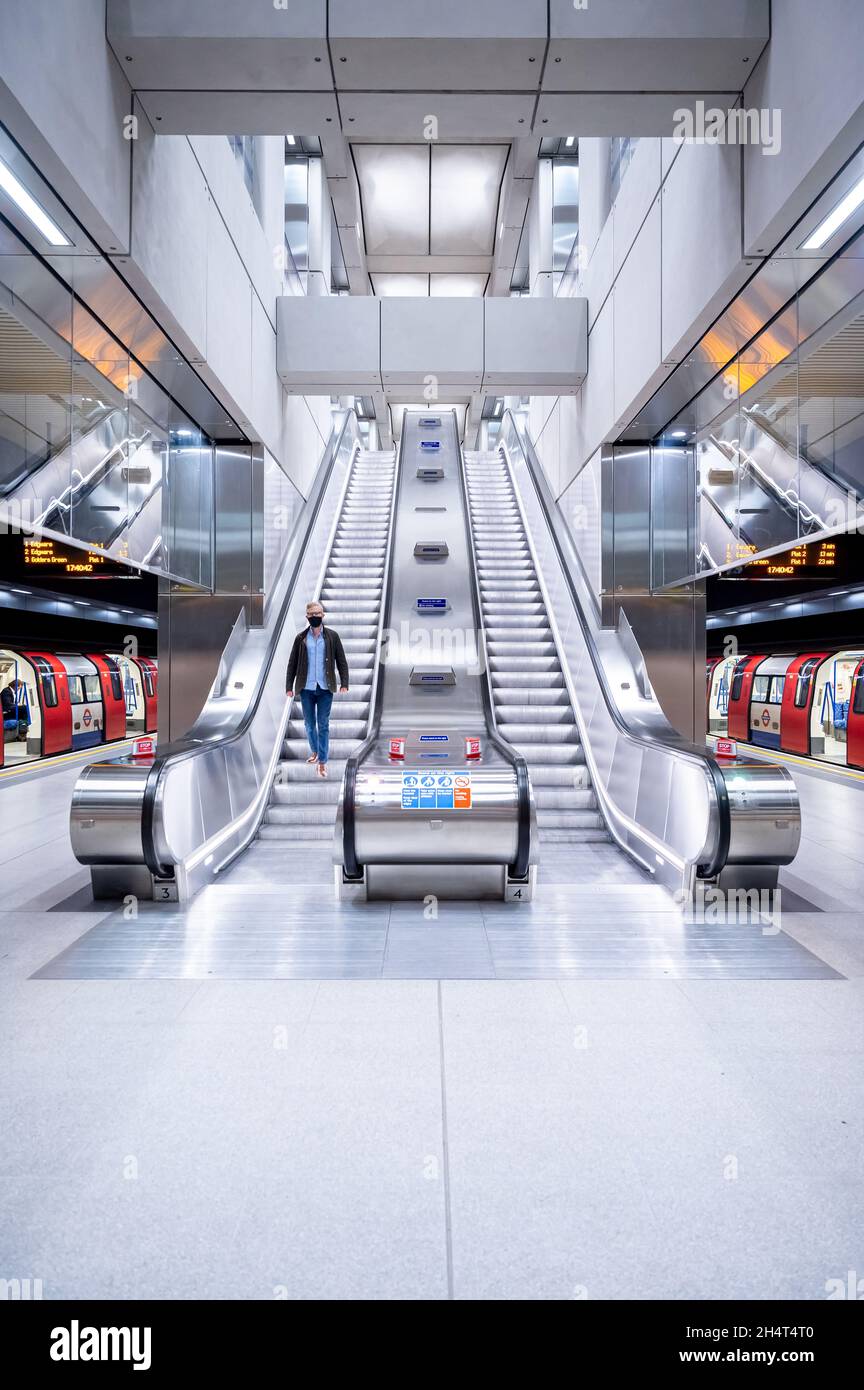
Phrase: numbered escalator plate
(436, 791)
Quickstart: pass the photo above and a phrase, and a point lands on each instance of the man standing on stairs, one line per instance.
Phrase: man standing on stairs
(316, 656)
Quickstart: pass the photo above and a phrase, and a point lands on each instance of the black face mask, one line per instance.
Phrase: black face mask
(315, 621)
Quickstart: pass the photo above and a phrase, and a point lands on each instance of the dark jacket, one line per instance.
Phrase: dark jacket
(334, 659)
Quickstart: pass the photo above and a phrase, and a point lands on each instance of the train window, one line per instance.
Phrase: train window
(49, 689)
(760, 689)
(805, 676)
(776, 695)
(116, 684)
(149, 686)
(76, 691)
(91, 688)
(858, 699)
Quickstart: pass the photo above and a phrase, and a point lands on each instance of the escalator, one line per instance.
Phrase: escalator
(303, 805)
(459, 759)
(531, 706)
(758, 491)
(102, 486)
(569, 742)
(166, 830)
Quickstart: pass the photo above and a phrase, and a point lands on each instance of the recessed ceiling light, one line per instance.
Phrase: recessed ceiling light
(835, 219)
(292, 140)
(23, 200)
(569, 141)
(22, 591)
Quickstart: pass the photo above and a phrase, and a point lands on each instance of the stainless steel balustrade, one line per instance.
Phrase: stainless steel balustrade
(667, 802)
(172, 827)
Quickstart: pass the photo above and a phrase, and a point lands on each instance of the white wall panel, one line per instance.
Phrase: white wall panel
(595, 404)
(63, 96)
(330, 343)
(229, 315)
(702, 251)
(431, 337)
(637, 307)
(170, 221)
(220, 168)
(535, 344)
(637, 193)
(811, 73)
(265, 404)
(596, 282)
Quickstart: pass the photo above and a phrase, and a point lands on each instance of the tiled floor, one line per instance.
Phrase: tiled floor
(668, 1129)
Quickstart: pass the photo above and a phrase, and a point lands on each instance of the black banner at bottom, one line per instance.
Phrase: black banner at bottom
(159, 1339)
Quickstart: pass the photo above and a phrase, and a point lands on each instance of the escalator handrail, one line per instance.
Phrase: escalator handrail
(350, 865)
(675, 745)
(519, 867)
(187, 747)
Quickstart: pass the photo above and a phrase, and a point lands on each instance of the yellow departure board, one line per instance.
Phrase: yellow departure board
(51, 558)
(816, 559)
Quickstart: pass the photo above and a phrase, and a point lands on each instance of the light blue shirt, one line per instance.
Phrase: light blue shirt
(315, 650)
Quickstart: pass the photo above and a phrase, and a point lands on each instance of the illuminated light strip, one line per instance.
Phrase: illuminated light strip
(27, 204)
(835, 219)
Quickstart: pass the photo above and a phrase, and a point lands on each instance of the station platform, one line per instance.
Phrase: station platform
(351, 1101)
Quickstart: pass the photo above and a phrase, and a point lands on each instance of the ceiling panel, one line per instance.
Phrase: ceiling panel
(457, 286)
(385, 284)
(466, 182)
(394, 188)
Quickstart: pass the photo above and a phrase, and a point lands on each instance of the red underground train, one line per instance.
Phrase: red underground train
(58, 702)
(808, 703)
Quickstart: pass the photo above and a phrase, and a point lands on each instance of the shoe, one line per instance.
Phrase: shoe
(313, 759)
(322, 769)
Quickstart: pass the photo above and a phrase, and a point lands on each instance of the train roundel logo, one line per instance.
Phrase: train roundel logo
(766, 718)
(87, 719)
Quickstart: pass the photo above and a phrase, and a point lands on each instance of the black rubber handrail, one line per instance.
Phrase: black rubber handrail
(682, 747)
(181, 749)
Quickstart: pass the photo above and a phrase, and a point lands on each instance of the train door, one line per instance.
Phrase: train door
(85, 698)
(855, 721)
(797, 703)
(718, 694)
(739, 696)
(133, 693)
(22, 715)
(53, 695)
(113, 703)
(829, 712)
(149, 680)
(766, 701)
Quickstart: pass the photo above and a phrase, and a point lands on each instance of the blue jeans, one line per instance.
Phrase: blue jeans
(316, 713)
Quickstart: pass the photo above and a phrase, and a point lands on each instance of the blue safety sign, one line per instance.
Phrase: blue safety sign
(430, 444)
(434, 738)
(435, 791)
(432, 605)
